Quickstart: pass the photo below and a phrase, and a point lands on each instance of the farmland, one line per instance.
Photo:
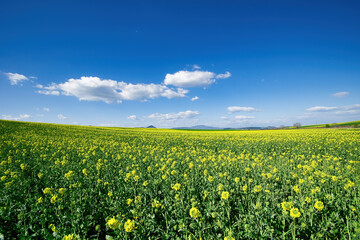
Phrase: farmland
(77, 182)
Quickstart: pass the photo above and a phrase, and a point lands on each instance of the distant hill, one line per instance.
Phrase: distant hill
(151, 126)
(204, 127)
(199, 127)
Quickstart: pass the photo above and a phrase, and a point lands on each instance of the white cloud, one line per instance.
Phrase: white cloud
(321, 109)
(190, 79)
(340, 94)
(16, 78)
(240, 117)
(328, 109)
(61, 117)
(195, 98)
(52, 89)
(49, 92)
(193, 78)
(223, 75)
(347, 112)
(109, 91)
(132, 117)
(174, 116)
(18, 118)
(242, 109)
(195, 66)
(46, 109)
(224, 118)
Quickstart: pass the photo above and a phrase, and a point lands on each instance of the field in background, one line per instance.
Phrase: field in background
(353, 124)
(69, 182)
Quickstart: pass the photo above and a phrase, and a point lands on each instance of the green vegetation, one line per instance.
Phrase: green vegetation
(73, 182)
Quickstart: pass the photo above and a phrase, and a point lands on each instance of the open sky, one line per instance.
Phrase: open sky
(180, 63)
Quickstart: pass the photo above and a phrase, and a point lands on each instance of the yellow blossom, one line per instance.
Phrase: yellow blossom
(257, 188)
(225, 195)
(295, 213)
(129, 225)
(194, 212)
(113, 223)
(319, 205)
(176, 186)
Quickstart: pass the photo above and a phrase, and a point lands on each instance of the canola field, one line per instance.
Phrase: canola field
(72, 182)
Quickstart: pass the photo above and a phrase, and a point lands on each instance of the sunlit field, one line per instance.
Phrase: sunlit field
(71, 182)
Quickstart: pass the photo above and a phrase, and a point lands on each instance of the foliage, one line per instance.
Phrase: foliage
(72, 182)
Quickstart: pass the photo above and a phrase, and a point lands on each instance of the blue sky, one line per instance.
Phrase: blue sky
(180, 63)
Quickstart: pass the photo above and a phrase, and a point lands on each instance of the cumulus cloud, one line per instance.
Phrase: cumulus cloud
(132, 117)
(233, 109)
(340, 94)
(195, 98)
(18, 118)
(223, 75)
(193, 78)
(16, 78)
(328, 109)
(240, 117)
(61, 117)
(46, 109)
(174, 116)
(109, 91)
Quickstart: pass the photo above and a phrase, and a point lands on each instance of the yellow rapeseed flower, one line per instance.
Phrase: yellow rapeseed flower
(257, 188)
(295, 213)
(113, 223)
(194, 212)
(62, 191)
(286, 205)
(225, 195)
(70, 237)
(129, 225)
(176, 186)
(137, 199)
(47, 190)
(229, 238)
(53, 199)
(319, 205)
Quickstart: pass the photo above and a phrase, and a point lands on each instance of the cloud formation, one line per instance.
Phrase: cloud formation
(328, 109)
(52, 89)
(233, 109)
(61, 117)
(132, 117)
(340, 94)
(195, 98)
(174, 116)
(223, 75)
(193, 78)
(109, 91)
(18, 118)
(16, 78)
(240, 117)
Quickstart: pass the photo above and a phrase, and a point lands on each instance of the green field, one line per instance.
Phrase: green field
(75, 182)
(353, 124)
